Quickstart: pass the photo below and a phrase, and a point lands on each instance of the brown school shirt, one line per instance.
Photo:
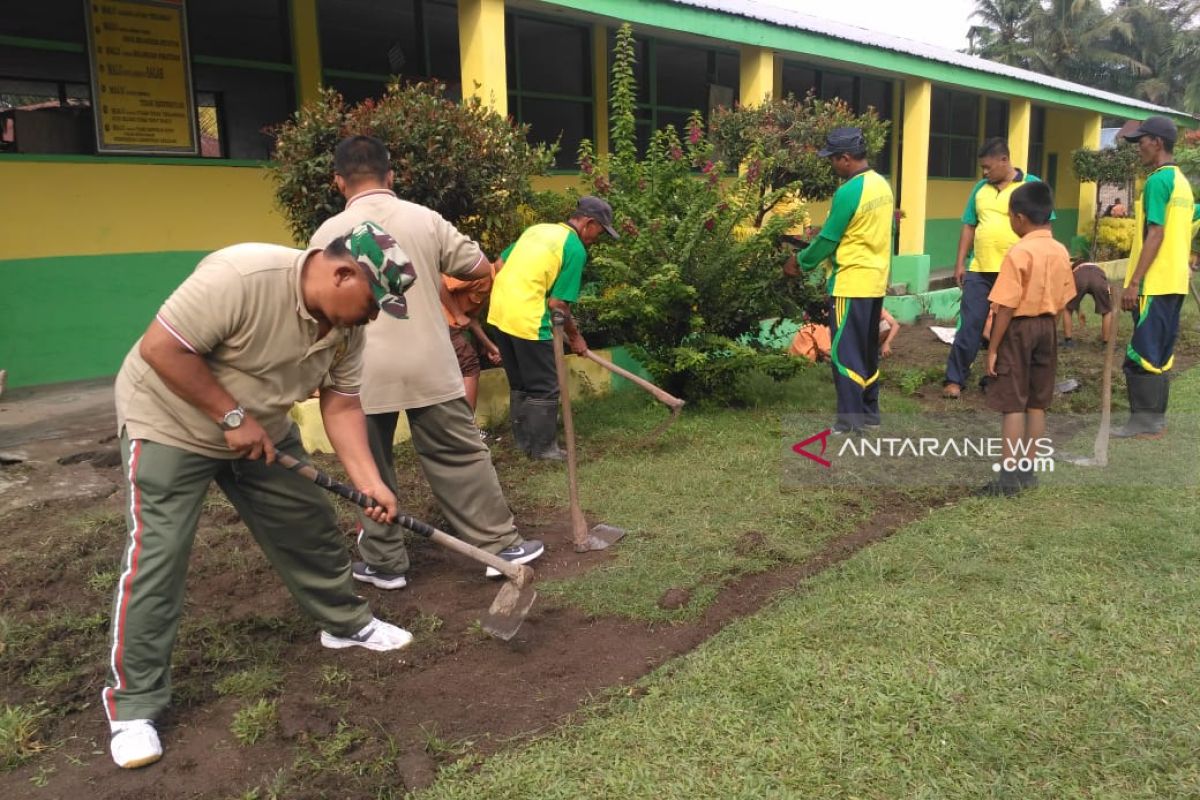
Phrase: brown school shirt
(1035, 277)
(409, 363)
(242, 309)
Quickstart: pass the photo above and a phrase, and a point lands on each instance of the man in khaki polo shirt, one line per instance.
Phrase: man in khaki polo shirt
(409, 365)
(204, 395)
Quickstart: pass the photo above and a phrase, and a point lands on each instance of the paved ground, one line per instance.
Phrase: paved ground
(51, 438)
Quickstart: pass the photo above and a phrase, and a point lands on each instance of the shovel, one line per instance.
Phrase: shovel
(669, 400)
(601, 536)
(516, 596)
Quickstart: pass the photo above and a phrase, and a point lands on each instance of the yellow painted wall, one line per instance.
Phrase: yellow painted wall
(946, 198)
(482, 56)
(307, 47)
(1020, 114)
(1064, 134)
(132, 208)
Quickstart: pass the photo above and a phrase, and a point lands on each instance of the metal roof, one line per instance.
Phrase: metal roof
(788, 18)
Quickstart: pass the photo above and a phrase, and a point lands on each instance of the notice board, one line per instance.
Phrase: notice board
(141, 77)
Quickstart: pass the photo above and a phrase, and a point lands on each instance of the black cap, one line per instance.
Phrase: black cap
(1161, 127)
(843, 140)
(599, 210)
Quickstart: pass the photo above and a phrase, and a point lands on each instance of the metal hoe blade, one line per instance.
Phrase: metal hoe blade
(508, 611)
(602, 536)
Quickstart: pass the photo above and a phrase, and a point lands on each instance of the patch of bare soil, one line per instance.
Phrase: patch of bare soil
(454, 691)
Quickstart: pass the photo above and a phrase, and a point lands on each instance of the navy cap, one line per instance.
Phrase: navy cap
(1161, 127)
(843, 140)
(599, 210)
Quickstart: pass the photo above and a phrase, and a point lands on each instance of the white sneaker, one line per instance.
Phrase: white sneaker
(375, 635)
(134, 743)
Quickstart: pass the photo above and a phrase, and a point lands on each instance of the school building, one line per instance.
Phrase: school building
(108, 204)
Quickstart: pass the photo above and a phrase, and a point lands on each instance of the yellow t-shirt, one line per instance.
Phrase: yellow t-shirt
(547, 261)
(856, 238)
(1167, 201)
(987, 210)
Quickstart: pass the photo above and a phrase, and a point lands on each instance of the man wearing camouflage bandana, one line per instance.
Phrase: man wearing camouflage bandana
(409, 366)
(204, 396)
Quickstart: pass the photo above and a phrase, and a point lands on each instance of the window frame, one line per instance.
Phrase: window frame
(952, 138)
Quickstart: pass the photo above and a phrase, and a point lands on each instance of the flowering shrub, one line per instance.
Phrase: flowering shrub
(699, 261)
(461, 159)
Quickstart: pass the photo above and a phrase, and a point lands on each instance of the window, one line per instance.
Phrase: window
(365, 42)
(953, 134)
(550, 82)
(241, 74)
(675, 80)
(859, 92)
(1037, 143)
(995, 119)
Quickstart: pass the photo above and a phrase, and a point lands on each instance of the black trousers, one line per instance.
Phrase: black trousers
(529, 364)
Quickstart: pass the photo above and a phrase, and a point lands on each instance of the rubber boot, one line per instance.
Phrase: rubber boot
(541, 422)
(1006, 484)
(516, 420)
(1162, 394)
(1143, 390)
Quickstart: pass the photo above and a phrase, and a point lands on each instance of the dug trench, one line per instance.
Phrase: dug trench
(380, 719)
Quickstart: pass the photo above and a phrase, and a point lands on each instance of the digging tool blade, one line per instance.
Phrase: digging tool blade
(509, 610)
(602, 536)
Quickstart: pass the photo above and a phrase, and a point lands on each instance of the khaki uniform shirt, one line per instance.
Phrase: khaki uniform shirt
(409, 363)
(241, 309)
(1035, 277)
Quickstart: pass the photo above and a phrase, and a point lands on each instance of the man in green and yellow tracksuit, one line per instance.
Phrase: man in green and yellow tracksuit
(1157, 277)
(985, 240)
(856, 244)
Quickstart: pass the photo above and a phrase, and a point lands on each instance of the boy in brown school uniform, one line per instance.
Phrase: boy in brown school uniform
(1034, 286)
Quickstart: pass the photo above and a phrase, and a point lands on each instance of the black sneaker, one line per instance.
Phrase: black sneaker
(521, 553)
(364, 572)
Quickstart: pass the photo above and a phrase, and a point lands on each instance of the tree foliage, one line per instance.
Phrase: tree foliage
(463, 160)
(1118, 165)
(1148, 49)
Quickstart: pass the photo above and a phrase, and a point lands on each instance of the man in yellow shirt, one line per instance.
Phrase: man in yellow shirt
(542, 272)
(856, 245)
(1157, 278)
(985, 239)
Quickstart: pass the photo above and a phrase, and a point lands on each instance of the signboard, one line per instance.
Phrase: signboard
(141, 77)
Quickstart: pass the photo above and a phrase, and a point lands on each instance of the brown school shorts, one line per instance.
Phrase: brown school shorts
(1093, 281)
(464, 351)
(1025, 366)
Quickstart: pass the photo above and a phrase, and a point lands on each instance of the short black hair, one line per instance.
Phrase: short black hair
(358, 157)
(1034, 200)
(993, 148)
(337, 247)
(1167, 144)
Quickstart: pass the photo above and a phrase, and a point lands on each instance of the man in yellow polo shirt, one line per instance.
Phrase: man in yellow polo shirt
(1157, 277)
(856, 245)
(987, 234)
(542, 271)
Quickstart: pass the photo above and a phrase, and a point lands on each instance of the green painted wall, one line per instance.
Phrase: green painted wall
(75, 317)
(941, 241)
(1066, 225)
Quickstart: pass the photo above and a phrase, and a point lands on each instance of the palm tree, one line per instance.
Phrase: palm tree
(1003, 32)
(1166, 44)
(1078, 40)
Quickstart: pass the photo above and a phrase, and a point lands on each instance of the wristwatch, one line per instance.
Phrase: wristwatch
(233, 419)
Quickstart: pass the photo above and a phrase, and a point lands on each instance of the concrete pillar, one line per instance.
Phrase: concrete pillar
(481, 47)
(1087, 191)
(758, 75)
(918, 100)
(1020, 115)
(600, 86)
(306, 50)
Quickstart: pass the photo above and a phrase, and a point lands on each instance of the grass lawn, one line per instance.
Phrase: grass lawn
(1038, 647)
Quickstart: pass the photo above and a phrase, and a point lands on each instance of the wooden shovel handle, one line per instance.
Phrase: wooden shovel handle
(515, 572)
(660, 395)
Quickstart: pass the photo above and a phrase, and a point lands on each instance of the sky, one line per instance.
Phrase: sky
(942, 23)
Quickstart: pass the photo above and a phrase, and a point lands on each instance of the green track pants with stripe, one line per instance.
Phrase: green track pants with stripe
(290, 518)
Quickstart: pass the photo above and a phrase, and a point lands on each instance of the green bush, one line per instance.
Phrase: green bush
(463, 160)
(699, 260)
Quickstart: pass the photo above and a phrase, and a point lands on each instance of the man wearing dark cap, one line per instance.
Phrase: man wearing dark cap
(539, 273)
(204, 396)
(409, 367)
(855, 243)
(985, 239)
(1157, 277)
